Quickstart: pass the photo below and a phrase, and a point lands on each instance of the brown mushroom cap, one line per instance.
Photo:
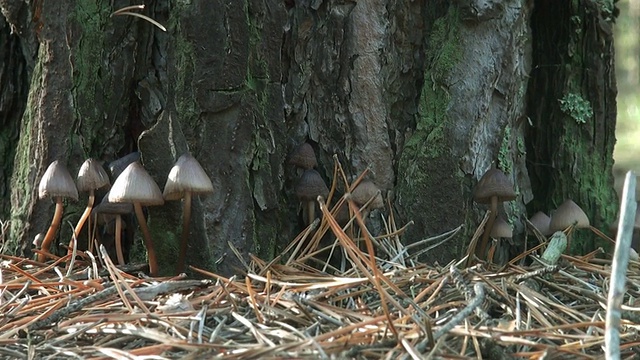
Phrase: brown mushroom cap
(310, 186)
(107, 207)
(304, 157)
(116, 167)
(366, 190)
(186, 175)
(57, 182)
(494, 183)
(106, 211)
(541, 221)
(568, 214)
(91, 176)
(135, 185)
(501, 229)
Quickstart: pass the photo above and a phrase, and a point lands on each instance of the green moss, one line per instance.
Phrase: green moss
(577, 107)
(166, 242)
(87, 70)
(428, 139)
(22, 178)
(607, 7)
(522, 149)
(185, 68)
(425, 164)
(505, 160)
(594, 189)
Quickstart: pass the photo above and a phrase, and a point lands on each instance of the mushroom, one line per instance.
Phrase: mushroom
(116, 167)
(185, 179)
(303, 157)
(567, 215)
(117, 210)
(136, 186)
(367, 193)
(541, 221)
(309, 187)
(56, 183)
(493, 187)
(91, 177)
(501, 229)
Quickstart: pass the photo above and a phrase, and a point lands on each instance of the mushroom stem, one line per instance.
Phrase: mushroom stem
(186, 219)
(51, 233)
(83, 219)
(311, 212)
(487, 230)
(119, 253)
(151, 253)
(93, 233)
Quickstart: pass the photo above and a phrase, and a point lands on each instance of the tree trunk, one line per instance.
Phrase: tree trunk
(425, 96)
(570, 146)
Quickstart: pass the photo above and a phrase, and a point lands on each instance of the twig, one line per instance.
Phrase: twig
(619, 268)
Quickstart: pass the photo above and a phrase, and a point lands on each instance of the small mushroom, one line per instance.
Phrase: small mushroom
(117, 210)
(136, 186)
(56, 183)
(501, 229)
(303, 157)
(567, 215)
(116, 167)
(309, 187)
(493, 187)
(541, 221)
(367, 193)
(91, 177)
(185, 179)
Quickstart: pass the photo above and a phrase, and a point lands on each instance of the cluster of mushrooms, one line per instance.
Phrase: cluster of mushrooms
(132, 189)
(495, 187)
(310, 185)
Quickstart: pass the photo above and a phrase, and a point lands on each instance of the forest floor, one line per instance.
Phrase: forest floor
(381, 304)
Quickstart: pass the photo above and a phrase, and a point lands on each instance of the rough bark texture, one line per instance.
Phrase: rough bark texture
(570, 150)
(425, 95)
(13, 92)
(471, 115)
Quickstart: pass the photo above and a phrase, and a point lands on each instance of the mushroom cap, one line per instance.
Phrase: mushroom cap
(57, 182)
(366, 190)
(116, 167)
(541, 221)
(310, 186)
(494, 183)
(92, 176)
(501, 229)
(186, 176)
(568, 214)
(107, 207)
(304, 157)
(135, 185)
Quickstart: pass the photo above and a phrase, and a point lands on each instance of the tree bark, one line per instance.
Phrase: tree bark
(425, 95)
(570, 152)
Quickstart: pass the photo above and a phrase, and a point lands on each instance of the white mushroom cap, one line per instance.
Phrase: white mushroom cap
(92, 176)
(186, 176)
(135, 185)
(57, 182)
(568, 214)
